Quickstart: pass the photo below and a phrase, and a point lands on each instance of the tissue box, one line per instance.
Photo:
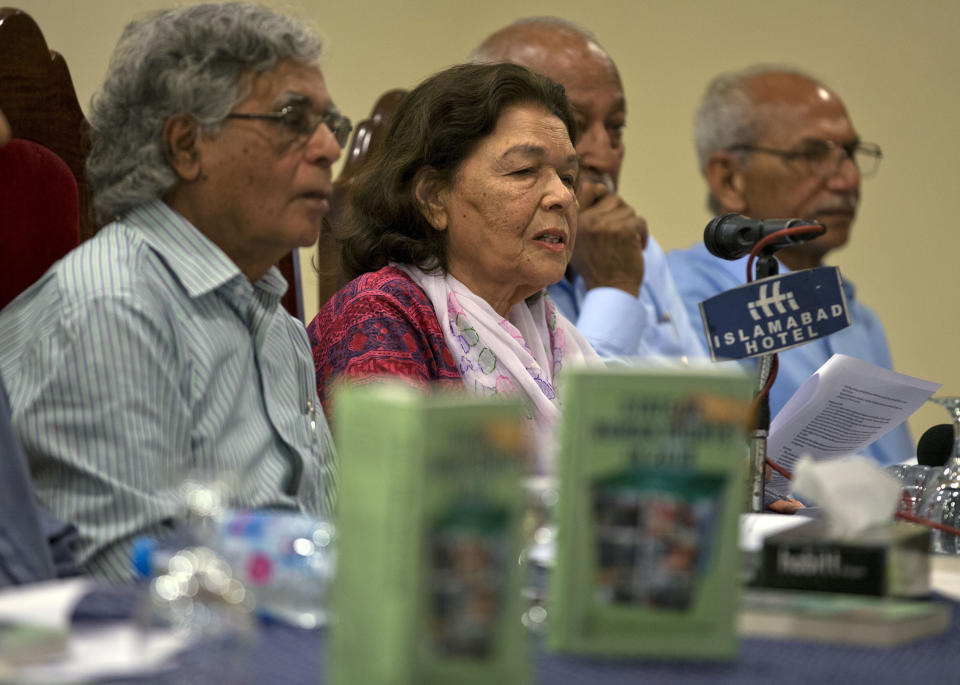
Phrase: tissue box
(889, 560)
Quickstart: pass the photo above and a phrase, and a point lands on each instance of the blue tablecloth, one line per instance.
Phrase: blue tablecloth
(291, 656)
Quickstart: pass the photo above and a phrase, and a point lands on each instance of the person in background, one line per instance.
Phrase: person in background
(776, 143)
(464, 217)
(159, 348)
(618, 289)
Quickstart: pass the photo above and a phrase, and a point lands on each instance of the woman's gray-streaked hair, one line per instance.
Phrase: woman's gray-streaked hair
(727, 115)
(188, 60)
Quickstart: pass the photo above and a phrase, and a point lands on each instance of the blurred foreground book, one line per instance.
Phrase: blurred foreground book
(652, 473)
(427, 587)
(840, 618)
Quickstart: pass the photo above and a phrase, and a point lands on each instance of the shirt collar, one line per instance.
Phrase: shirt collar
(197, 262)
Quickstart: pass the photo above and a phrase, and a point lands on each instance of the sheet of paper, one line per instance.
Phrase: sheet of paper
(754, 528)
(48, 604)
(101, 651)
(945, 575)
(847, 404)
(110, 651)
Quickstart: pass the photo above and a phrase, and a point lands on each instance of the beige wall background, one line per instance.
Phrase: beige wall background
(895, 62)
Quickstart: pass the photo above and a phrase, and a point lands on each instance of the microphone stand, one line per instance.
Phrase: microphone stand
(766, 266)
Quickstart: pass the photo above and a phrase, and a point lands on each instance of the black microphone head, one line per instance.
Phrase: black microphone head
(936, 445)
(731, 236)
(716, 235)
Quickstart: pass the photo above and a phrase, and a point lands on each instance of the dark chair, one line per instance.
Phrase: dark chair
(45, 201)
(367, 137)
(292, 301)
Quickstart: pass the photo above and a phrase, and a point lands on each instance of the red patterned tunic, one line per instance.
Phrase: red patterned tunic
(380, 324)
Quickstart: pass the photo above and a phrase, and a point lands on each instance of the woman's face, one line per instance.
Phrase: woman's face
(511, 212)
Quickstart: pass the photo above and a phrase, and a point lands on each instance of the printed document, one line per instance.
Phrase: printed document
(847, 404)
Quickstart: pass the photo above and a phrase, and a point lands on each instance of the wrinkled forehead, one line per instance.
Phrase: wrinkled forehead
(285, 79)
(529, 127)
(568, 58)
(582, 70)
(789, 108)
(785, 126)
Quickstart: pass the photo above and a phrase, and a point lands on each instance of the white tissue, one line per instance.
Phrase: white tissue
(854, 493)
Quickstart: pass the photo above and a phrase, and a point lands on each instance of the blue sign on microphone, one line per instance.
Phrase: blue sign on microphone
(775, 313)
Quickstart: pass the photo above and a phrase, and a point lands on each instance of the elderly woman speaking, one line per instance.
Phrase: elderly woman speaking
(463, 218)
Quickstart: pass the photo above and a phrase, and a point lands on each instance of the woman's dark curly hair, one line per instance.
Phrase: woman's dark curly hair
(437, 126)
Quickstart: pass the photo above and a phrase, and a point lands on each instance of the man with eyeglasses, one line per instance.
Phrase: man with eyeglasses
(777, 143)
(158, 349)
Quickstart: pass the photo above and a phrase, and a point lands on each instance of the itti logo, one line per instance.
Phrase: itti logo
(775, 300)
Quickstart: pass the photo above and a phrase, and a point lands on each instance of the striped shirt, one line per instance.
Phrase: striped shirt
(145, 356)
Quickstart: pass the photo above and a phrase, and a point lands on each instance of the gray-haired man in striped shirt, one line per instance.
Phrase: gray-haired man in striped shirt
(159, 347)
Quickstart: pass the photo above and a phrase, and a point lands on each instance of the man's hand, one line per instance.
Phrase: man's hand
(785, 506)
(610, 239)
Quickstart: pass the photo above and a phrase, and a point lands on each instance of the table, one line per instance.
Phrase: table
(290, 655)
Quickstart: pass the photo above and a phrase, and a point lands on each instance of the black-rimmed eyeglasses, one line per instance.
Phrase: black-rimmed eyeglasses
(824, 157)
(303, 121)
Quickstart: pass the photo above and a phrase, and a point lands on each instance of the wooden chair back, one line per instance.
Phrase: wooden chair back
(44, 200)
(38, 99)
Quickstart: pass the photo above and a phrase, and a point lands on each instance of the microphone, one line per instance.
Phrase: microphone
(731, 236)
(935, 445)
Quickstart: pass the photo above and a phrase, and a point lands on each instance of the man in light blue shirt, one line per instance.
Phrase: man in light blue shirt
(776, 143)
(159, 349)
(618, 291)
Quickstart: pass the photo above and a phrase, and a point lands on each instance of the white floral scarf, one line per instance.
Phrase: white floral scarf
(522, 354)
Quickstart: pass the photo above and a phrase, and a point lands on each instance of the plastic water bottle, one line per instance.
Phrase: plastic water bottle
(287, 559)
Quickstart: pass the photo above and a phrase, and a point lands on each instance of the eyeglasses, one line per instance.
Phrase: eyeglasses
(824, 157)
(303, 121)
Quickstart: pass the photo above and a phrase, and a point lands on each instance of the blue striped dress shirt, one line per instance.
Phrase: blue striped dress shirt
(145, 356)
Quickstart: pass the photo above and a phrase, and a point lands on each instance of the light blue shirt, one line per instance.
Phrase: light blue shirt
(700, 275)
(618, 325)
(145, 355)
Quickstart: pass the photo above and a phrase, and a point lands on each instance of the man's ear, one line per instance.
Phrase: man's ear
(181, 137)
(724, 173)
(431, 196)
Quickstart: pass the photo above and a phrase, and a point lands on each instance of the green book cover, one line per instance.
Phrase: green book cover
(427, 584)
(651, 476)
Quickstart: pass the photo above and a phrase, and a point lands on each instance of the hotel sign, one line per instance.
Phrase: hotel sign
(775, 313)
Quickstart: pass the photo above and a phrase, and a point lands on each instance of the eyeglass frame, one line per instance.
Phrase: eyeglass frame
(338, 124)
(850, 150)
